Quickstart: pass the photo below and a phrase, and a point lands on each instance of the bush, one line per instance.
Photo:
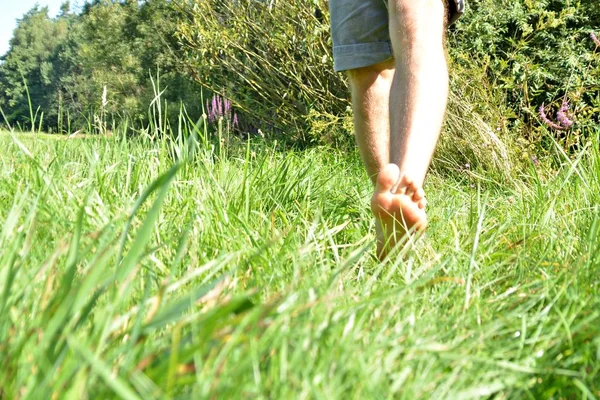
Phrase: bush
(272, 59)
(534, 53)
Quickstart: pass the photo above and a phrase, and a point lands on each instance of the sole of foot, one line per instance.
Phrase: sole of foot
(398, 205)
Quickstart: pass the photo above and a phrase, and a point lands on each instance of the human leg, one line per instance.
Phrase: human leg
(362, 48)
(420, 87)
(390, 99)
(417, 105)
(370, 89)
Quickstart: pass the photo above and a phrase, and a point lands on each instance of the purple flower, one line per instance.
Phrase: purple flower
(220, 103)
(564, 121)
(214, 105)
(546, 120)
(561, 115)
(595, 39)
(220, 107)
(209, 112)
(534, 160)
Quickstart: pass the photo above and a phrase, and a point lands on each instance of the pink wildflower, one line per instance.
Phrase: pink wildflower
(546, 120)
(561, 115)
(595, 39)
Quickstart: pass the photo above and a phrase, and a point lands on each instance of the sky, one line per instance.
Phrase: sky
(11, 10)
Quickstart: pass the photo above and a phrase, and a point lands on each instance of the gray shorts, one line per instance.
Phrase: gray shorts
(360, 32)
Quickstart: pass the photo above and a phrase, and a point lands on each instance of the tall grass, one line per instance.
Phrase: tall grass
(152, 268)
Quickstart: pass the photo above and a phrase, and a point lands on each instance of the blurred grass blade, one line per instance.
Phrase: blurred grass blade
(119, 386)
(73, 254)
(11, 242)
(173, 311)
(145, 231)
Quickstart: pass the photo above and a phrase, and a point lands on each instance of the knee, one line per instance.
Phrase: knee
(367, 77)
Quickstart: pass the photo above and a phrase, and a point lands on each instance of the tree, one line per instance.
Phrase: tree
(28, 74)
(77, 67)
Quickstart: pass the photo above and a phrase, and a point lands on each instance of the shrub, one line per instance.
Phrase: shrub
(272, 59)
(534, 52)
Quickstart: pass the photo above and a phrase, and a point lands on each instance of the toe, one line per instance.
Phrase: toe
(411, 189)
(387, 178)
(404, 185)
(422, 203)
(418, 195)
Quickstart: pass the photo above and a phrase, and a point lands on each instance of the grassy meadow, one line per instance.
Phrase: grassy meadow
(132, 268)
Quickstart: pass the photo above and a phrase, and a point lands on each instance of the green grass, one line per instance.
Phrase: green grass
(248, 272)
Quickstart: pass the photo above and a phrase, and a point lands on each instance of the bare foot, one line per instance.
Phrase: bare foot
(399, 208)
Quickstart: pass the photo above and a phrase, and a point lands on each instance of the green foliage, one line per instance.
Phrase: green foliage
(107, 58)
(28, 72)
(534, 52)
(273, 59)
(111, 48)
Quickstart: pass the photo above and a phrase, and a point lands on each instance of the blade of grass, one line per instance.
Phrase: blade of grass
(118, 385)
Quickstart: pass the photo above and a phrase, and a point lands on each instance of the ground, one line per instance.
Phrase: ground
(250, 271)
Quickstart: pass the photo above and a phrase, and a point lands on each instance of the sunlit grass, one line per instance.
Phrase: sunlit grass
(139, 269)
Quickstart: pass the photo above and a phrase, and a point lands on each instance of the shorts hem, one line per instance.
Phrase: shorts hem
(360, 55)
